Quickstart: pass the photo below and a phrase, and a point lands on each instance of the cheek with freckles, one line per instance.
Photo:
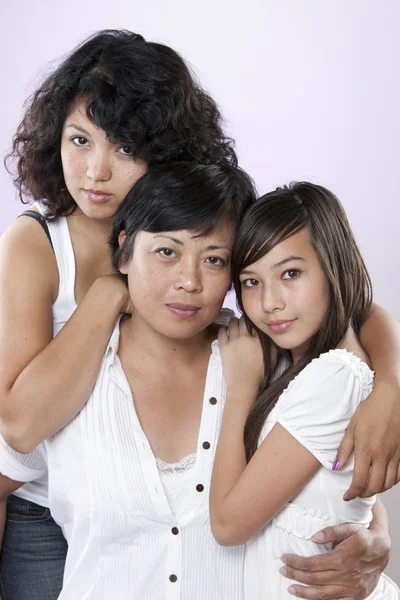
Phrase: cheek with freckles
(74, 170)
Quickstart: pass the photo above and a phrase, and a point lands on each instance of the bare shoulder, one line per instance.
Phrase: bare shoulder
(352, 344)
(28, 288)
(25, 252)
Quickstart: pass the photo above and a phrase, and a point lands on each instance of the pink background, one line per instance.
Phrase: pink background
(310, 90)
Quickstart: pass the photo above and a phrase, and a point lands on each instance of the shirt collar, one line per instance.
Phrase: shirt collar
(113, 342)
(223, 319)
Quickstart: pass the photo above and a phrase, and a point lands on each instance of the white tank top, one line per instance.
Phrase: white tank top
(63, 307)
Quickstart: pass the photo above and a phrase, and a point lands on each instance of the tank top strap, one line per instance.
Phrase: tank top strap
(59, 232)
(65, 303)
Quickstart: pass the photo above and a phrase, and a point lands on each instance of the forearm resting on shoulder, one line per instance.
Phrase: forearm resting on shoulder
(380, 338)
(57, 378)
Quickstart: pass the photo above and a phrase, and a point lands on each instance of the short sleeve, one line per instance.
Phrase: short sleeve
(22, 467)
(317, 406)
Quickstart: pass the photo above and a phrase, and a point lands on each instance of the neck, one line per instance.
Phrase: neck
(100, 229)
(155, 347)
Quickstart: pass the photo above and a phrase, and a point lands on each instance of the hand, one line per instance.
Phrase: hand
(242, 356)
(373, 434)
(117, 284)
(350, 572)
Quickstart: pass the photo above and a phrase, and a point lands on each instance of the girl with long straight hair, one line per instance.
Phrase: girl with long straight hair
(294, 382)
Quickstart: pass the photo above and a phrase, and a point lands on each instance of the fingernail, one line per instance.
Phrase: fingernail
(284, 559)
(346, 499)
(318, 537)
(292, 590)
(335, 465)
(283, 571)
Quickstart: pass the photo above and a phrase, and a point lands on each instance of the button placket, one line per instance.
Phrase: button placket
(173, 565)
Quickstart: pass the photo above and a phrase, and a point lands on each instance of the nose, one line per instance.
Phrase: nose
(272, 297)
(189, 277)
(98, 166)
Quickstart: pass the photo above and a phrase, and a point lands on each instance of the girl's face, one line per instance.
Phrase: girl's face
(286, 293)
(177, 281)
(97, 173)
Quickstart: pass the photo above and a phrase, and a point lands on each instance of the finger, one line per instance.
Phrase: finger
(346, 448)
(311, 578)
(376, 480)
(361, 471)
(334, 534)
(223, 336)
(325, 593)
(243, 327)
(398, 475)
(312, 564)
(391, 473)
(233, 329)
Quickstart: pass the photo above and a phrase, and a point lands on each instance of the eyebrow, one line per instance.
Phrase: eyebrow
(278, 264)
(211, 247)
(78, 127)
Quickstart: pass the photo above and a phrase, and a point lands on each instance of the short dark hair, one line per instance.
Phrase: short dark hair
(180, 196)
(140, 93)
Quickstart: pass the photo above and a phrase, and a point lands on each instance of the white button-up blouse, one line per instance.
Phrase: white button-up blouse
(106, 494)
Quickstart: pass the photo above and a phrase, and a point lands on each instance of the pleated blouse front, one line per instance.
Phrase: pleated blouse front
(105, 492)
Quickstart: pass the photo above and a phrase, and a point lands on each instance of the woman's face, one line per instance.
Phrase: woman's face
(98, 174)
(177, 281)
(286, 293)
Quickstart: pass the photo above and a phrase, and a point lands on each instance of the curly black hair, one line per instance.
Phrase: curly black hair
(140, 93)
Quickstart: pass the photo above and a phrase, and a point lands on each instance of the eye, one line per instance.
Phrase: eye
(78, 140)
(166, 252)
(250, 282)
(126, 150)
(217, 261)
(291, 274)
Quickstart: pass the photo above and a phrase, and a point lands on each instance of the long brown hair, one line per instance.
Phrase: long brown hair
(272, 219)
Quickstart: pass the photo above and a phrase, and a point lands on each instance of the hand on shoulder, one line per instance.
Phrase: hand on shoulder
(242, 355)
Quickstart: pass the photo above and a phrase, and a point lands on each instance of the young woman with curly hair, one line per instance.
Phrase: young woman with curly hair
(114, 107)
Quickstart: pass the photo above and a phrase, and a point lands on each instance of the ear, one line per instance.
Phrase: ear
(122, 268)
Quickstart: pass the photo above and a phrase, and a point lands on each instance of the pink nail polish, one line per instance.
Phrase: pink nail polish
(335, 465)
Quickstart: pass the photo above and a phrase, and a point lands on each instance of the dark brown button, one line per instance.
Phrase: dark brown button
(199, 487)
(213, 400)
(173, 578)
(175, 530)
(206, 445)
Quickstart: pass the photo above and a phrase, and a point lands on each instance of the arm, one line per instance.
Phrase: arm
(373, 432)
(7, 487)
(353, 567)
(44, 382)
(240, 502)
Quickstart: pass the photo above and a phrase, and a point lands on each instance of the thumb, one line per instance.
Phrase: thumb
(345, 449)
(334, 534)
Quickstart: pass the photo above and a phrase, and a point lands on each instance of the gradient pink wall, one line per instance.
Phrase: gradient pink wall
(310, 90)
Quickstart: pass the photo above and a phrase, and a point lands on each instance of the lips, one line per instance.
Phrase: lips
(183, 311)
(279, 326)
(98, 196)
